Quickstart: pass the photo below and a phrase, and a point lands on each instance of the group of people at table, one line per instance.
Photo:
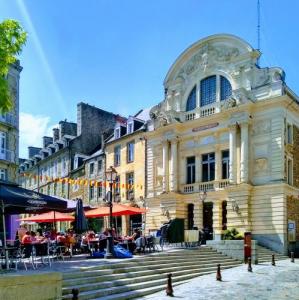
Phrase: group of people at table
(71, 242)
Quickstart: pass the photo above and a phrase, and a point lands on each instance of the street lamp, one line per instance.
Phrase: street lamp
(111, 178)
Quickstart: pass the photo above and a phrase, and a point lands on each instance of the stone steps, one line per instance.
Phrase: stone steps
(142, 276)
(265, 255)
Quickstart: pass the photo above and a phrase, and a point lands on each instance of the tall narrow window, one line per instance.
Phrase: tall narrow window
(290, 172)
(289, 134)
(91, 168)
(130, 186)
(208, 167)
(130, 152)
(3, 174)
(100, 191)
(225, 164)
(91, 192)
(225, 88)
(224, 215)
(2, 144)
(117, 185)
(190, 216)
(191, 101)
(100, 166)
(208, 90)
(190, 169)
(130, 127)
(117, 156)
(117, 133)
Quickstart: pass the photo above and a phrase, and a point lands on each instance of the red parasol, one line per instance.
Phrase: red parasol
(49, 217)
(117, 210)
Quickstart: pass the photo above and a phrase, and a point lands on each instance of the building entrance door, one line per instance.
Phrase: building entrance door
(208, 220)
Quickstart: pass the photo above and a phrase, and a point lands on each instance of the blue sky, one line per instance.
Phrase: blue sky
(114, 54)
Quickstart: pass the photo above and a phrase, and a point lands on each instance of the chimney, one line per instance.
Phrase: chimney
(68, 128)
(47, 140)
(33, 151)
(55, 134)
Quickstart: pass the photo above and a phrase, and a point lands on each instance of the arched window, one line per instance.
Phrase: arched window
(191, 101)
(225, 88)
(208, 90)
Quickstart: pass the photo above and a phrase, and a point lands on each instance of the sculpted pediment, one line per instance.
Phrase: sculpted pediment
(206, 57)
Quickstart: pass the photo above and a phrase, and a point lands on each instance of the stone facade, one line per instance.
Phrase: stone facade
(229, 156)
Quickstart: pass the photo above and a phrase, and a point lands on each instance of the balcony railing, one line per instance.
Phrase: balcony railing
(205, 186)
(9, 118)
(7, 155)
(201, 112)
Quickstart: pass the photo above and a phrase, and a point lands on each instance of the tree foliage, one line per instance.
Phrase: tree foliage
(12, 39)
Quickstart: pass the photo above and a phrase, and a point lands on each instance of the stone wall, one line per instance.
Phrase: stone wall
(44, 286)
(293, 212)
(234, 249)
(296, 157)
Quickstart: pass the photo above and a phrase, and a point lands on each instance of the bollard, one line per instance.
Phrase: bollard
(75, 293)
(273, 259)
(169, 289)
(292, 257)
(218, 275)
(249, 265)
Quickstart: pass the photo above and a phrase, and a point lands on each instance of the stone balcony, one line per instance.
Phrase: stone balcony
(9, 119)
(7, 155)
(201, 112)
(204, 186)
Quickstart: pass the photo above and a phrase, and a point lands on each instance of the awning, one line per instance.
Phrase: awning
(17, 200)
(49, 217)
(117, 210)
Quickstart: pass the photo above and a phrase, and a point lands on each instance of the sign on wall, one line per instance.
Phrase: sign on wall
(205, 127)
(291, 231)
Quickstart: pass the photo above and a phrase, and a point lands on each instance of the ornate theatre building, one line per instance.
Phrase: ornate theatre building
(222, 147)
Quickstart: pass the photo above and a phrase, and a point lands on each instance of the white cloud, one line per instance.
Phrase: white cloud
(32, 129)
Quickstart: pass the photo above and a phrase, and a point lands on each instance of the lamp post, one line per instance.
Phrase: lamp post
(111, 178)
(202, 197)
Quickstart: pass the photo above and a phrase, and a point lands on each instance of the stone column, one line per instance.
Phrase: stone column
(217, 164)
(244, 153)
(232, 154)
(198, 173)
(173, 166)
(165, 166)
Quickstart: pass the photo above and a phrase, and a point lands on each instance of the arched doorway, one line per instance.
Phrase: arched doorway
(208, 220)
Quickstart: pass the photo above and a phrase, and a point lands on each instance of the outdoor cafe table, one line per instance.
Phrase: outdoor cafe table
(5, 252)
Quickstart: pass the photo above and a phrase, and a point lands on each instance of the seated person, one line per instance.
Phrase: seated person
(61, 239)
(136, 234)
(26, 238)
(33, 237)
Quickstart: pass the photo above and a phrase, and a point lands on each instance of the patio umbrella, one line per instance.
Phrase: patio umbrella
(80, 220)
(17, 200)
(117, 210)
(49, 217)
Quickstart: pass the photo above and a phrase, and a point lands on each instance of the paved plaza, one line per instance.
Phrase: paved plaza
(265, 282)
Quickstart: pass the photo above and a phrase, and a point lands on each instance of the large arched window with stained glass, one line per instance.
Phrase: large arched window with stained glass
(191, 101)
(225, 88)
(208, 90)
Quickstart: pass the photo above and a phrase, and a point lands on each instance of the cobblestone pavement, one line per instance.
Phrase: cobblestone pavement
(265, 282)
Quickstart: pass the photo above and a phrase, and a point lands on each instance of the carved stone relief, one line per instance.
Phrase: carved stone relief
(260, 165)
(261, 127)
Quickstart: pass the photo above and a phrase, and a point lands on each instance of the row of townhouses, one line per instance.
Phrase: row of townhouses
(220, 150)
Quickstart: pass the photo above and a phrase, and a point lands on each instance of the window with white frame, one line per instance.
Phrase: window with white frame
(130, 151)
(190, 169)
(91, 168)
(117, 156)
(191, 101)
(289, 134)
(130, 185)
(100, 191)
(225, 164)
(130, 127)
(3, 173)
(117, 133)
(91, 192)
(289, 171)
(2, 143)
(100, 166)
(208, 167)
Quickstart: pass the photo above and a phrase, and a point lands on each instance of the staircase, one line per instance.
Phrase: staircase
(265, 255)
(143, 275)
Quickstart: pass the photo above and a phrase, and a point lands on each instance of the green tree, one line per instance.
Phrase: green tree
(12, 39)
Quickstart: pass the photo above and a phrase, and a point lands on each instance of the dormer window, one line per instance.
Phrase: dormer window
(130, 127)
(117, 133)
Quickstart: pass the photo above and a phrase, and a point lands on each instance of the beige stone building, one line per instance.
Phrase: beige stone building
(125, 151)
(221, 146)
